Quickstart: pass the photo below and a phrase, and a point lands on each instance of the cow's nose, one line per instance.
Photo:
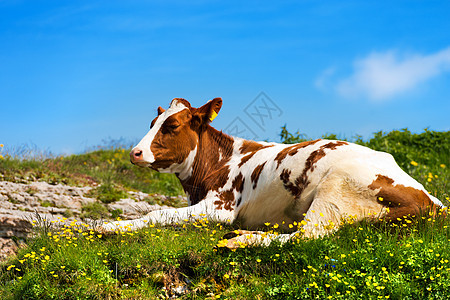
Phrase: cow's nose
(136, 155)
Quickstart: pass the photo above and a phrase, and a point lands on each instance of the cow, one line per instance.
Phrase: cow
(230, 179)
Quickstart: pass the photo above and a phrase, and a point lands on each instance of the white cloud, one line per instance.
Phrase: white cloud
(323, 80)
(381, 76)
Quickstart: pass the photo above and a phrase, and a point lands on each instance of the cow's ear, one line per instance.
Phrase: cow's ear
(209, 111)
(160, 110)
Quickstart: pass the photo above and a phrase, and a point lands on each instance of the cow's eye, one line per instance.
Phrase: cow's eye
(169, 128)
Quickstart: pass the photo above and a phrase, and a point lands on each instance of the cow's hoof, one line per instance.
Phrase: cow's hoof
(239, 239)
(235, 233)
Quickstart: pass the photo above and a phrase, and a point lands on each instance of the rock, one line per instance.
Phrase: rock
(14, 226)
(7, 248)
(140, 196)
(23, 203)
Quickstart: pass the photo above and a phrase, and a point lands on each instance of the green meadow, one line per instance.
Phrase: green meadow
(403, 260)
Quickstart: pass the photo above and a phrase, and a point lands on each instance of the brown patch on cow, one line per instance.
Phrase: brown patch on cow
(401, 200)
(239, 201)
(251, 148)
(238, 183)
(292, 150)
(246, 159)
(256, 173)
(227, 200)
(209, 171)
(334, 145)
(288, 185)
(301, 182)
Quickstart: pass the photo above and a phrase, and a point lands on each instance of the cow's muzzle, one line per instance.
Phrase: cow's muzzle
(137, 156)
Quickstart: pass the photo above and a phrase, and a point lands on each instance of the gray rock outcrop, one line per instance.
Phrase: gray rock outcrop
(23, 203)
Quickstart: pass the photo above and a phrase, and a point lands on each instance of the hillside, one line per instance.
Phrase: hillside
(405, 261)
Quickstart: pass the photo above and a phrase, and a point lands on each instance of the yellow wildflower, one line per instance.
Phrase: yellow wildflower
(222, 243)
(415, 164)
(10, 267)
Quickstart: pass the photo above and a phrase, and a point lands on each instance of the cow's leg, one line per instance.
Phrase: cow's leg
(204, 208)
(243, 238)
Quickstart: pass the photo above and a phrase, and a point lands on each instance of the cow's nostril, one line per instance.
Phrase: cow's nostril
(138, 153)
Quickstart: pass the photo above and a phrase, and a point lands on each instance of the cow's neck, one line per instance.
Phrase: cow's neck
(209, 171)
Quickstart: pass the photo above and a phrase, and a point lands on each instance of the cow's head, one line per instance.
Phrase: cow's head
(171, 144)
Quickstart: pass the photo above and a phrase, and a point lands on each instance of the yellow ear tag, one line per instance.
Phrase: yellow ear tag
(213, 115)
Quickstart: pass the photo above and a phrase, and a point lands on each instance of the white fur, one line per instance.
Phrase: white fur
(200, 210)
(185, 168)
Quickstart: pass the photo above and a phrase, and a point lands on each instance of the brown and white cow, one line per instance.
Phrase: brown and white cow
(251, 183)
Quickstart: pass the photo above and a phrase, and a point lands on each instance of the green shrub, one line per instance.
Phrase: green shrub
(107, 193)
(94, 210)
(116, 213)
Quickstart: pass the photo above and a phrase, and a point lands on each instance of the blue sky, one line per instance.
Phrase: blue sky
(75, 72)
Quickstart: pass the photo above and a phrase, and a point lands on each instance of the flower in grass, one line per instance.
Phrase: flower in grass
(415, 164)
(10, 267)
(222, 243)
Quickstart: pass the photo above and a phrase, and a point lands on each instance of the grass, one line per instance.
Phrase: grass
(407, 260)
(109, 167)
(359, 261)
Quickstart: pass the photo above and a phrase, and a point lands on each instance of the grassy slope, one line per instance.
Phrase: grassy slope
(359, 261)
(102, 167)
